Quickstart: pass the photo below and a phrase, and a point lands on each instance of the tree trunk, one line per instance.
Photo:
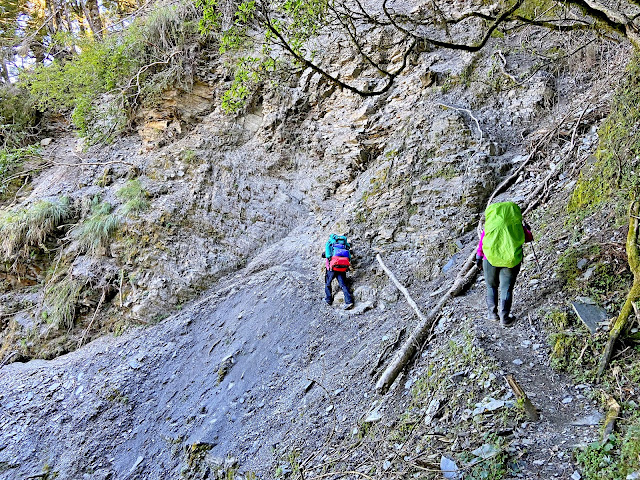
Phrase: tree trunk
(56, 16)
(92, 12)
(633, 254)
(5, 72)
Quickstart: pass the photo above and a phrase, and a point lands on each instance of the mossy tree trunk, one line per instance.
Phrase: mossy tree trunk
(633, 255)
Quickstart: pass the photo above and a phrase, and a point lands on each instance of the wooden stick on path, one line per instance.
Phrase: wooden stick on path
(530, 410)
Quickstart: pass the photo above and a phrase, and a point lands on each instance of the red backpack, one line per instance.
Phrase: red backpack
(339, 264)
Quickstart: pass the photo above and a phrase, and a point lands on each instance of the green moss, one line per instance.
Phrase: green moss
(558, 319)
(196, 453)
(189, 156)
(567, 263)
(613, 177)
(573, 348)
(447, 172)
(536, 9)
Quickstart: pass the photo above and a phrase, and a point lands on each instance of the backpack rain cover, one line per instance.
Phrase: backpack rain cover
(503, 234)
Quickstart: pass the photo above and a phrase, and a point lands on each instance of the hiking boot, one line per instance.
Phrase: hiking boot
(348, 306)
(492, 310)
(504, 312)
(328, 302)
(507, 321)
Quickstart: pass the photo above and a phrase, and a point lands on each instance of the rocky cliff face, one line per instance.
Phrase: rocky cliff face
(229, 250)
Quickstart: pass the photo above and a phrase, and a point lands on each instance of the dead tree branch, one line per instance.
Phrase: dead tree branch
(95, 314)
(468, 112)
(503, 68)
(503, 17)
(420, 332)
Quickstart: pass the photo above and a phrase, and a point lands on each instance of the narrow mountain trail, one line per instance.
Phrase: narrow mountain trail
(568, 416)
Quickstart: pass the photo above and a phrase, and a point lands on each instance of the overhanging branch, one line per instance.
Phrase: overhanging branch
(391, 76)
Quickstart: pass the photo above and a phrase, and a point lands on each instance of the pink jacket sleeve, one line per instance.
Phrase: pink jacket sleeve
(528, 236)
(479, 252)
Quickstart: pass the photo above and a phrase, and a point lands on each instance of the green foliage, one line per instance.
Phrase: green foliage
(93, 232)
(62, 297)
(143, 59)
(245, 80)
(444, 171)
(630, 448)
(28, 227)
(75, 84)
(615, 171)
(17, 118)
(10, 161)
(294, 21)
(493, 467)
(614, 458)
(134, 197)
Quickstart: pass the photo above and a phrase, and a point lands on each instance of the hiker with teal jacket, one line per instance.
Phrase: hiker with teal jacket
(499, 255)
(337, 252)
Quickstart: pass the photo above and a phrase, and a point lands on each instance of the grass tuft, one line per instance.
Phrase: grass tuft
(134, 197)
(63, 298)
(94, 232)
(28, 227)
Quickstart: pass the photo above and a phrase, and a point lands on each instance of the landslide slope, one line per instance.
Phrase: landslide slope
(238, 356)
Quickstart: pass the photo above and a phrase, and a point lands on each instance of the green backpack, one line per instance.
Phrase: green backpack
(503, 234)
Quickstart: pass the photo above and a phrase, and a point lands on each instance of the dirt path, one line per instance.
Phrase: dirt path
(568, 417)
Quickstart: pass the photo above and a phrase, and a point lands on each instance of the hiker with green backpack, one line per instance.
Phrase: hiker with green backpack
(499, 255)
(337, 252)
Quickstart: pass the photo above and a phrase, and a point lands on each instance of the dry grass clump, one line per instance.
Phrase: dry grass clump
(29, 227)
(62, 298)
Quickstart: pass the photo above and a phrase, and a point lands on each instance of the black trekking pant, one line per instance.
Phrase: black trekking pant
(500, 282)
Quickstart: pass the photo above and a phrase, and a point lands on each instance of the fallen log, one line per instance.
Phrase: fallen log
(419, 334)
